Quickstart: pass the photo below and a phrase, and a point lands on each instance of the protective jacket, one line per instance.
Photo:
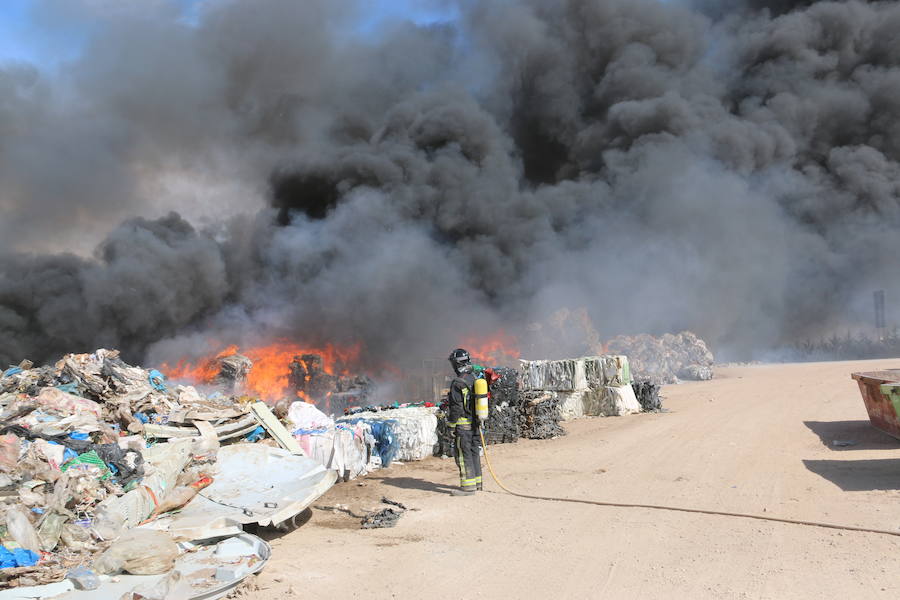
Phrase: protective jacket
(461, 400)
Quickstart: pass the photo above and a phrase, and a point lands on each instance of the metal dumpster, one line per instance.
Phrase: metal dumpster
(881, 394)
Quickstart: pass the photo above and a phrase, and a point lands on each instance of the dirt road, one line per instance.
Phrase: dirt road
(757, 439)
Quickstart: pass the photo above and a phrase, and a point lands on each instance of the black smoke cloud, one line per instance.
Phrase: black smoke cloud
(665, 165)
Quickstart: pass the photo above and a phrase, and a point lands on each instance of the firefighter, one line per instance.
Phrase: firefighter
(462, 420)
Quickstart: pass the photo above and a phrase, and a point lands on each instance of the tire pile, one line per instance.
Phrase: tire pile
(444, 445)
(647, 394)
(540, 416)
(505, 409)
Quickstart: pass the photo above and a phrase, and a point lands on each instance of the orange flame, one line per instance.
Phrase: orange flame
(493, 350)
(268, 378)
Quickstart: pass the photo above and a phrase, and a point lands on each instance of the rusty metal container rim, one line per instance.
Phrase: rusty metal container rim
(878, 377)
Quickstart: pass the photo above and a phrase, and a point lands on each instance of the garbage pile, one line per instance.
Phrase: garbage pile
(667, 359)
(70, 455)
(91, 448)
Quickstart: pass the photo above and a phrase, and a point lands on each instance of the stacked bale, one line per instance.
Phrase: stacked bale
(415, 429)
(587, 386)
(540, 415)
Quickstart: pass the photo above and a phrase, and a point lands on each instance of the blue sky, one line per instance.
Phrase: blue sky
(24, 36)
(17, 39)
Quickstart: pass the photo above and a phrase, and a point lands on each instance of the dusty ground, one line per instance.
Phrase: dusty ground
(756, 439)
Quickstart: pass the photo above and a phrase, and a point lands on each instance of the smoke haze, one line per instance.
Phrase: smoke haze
(267, 169)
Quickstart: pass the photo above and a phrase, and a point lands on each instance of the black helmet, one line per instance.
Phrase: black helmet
(460, 360)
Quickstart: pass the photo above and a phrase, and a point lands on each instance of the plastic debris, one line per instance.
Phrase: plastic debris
(17, 557)
(139, 552)
(88, 459)
(413, 428)
(256, 435)
(181, 496)
(386, 517)
(83, 578)
(303, 415)
(157, 380)
(21, 529)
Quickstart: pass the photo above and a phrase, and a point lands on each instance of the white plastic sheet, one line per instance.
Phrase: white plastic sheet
(606, 401)
(619, 400)
(341, 448)
(303, 415)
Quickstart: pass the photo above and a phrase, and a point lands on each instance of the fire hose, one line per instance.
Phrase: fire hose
(678, 508)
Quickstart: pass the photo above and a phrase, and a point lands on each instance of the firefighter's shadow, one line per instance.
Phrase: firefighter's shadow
(414, 483)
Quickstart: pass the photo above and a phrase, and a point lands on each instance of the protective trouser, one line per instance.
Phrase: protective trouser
(468, 457)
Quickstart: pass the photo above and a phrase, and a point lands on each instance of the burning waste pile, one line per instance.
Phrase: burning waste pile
(95, 452)
(666, 359)
(311, 381)
(307, 389)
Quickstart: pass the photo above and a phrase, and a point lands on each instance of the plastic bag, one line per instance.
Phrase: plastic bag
(20, 527)
(9, 452)
(139, 552)
(76, 538)
(303, 415)
(17, 557)
(84, 462)
(50, 530)
(108, 523)
(53, 452)
(30, 498)
(57, 401)
(181, 496)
